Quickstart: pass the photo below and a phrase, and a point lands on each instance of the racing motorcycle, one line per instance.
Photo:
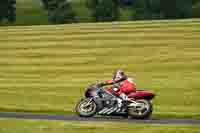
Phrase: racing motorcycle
(101, 102)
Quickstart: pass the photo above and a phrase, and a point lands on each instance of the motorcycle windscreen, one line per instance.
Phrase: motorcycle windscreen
(90, 93)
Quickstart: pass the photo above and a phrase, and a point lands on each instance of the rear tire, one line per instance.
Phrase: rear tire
(141, 113)
(84, 110)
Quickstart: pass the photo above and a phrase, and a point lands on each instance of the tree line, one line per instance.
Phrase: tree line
(61, 11)
(8, 10)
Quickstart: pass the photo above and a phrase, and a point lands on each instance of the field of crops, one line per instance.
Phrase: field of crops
(46, 68)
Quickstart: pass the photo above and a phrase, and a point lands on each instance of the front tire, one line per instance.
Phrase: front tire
(85, 109)
(142, 112)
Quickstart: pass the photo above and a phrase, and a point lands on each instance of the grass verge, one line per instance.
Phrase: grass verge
(42, 126)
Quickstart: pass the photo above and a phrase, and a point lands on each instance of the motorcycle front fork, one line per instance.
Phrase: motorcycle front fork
(89, 102)
(134, 104)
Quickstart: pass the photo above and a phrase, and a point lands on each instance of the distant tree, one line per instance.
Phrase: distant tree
(125, 3)
(11, 16)
(157, 9)
(196, 10)
(142, 9)
(104, 10)
(195, 1)
(176, 8)
(2, 10)
(59, 11)
(8, 10)
(45, 4)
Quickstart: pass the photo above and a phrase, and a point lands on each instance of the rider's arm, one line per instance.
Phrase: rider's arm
(111, 82)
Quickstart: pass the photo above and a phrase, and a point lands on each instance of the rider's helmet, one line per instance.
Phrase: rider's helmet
(118, 75)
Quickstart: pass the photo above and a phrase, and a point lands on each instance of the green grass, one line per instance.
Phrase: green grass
(46, 68)
(42, 126)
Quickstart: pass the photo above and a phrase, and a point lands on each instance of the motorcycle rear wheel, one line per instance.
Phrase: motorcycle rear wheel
(83, 109)
(144, 112)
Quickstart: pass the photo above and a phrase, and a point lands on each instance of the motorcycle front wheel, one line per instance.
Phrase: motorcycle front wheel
(86, 108)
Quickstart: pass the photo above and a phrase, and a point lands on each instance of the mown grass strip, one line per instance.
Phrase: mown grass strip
(95, 26)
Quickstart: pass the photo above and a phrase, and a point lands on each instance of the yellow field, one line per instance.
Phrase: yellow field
(46, 68)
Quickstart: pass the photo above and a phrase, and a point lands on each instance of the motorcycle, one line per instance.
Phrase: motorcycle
(100, 101)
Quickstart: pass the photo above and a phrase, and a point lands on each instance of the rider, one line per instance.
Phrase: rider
(122, 85)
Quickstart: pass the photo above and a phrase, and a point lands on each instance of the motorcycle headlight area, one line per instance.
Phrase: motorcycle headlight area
(115, 89)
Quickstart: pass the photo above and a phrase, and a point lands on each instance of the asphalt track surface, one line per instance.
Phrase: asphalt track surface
(96, 119)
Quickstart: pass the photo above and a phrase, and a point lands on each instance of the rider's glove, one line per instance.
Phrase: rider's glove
(124, 96)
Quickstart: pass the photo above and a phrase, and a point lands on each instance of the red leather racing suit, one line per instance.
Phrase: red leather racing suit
(126, 86)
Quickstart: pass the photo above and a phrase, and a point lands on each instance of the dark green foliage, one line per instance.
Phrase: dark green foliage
(104, 10)
(162, 9)
(8, 10)
(125, 3)
(142, 10)
(146, 9)
(59, 11)
(45, 4)
(196, 10)
(176, 8)
(195, 1)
